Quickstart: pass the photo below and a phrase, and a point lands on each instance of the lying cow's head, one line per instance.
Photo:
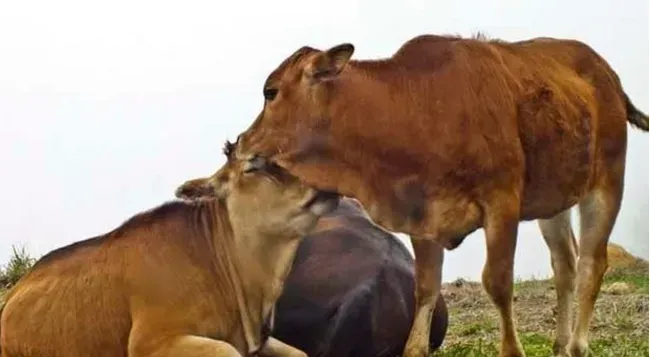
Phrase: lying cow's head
(298, 98)
(262, 196)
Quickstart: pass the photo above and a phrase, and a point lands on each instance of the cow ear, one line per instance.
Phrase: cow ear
(328, 64)
(220, 185)
(194, 189)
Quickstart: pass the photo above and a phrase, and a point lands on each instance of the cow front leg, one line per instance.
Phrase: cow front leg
(501, 223)
(429, 257)
(184, 346)
(276, 348)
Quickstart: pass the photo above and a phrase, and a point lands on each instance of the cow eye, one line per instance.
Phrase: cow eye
(255, 163)
(270, 93)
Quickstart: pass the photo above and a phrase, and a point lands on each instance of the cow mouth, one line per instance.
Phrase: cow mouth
(322, 202)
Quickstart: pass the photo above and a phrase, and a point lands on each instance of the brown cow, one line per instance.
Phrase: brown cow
(350, 289)
(450, 135)
(184, 279)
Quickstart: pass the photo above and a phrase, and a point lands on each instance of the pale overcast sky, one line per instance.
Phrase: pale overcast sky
(106, 107)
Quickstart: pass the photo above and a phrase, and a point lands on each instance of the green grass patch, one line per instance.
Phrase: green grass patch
(537, 345)
(19, 263)
(636, 277)
(619, 327)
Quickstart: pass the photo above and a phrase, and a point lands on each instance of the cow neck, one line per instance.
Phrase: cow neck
(267, 263)
(272, 261)
(258, 269)
(218, 232)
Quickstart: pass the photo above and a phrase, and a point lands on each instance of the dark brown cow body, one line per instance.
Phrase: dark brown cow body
(450, 135)
(182, 280)
(350, 291)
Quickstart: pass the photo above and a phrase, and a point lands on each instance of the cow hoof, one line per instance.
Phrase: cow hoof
(512, 354)
(564, 353)
(413, 352)
(560, 349)
(579, 350)
(518, 351)
(561, 354)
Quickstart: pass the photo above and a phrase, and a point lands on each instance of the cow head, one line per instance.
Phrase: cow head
(297, 100)
(261, 195)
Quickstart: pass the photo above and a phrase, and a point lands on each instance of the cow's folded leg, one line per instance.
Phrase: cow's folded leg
(185, 346)
(428, 277)
(276, 348)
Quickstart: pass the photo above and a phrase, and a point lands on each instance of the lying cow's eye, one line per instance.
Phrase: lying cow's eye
(250, 170)
(270, 93)
(255, 163)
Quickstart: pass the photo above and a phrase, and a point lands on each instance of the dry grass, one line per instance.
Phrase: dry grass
(619, 327)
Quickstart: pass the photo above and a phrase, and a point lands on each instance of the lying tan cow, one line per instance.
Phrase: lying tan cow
(184, 279)
(350, 289)
(450, 135)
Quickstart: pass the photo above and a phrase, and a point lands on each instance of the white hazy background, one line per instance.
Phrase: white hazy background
(106, 107)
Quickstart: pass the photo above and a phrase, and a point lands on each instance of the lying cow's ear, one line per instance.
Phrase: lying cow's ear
(220, 185)
(194, 189)
(330, 63)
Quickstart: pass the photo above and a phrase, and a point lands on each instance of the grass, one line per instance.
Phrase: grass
(540, 345)
(619, 327)
(636, 277)
(19, 263)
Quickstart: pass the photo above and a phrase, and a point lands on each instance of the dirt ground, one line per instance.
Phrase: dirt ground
(619, 326)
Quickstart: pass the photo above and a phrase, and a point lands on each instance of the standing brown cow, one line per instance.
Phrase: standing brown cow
(450, 135)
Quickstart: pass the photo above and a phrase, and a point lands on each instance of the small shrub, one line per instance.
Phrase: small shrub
(19, 264)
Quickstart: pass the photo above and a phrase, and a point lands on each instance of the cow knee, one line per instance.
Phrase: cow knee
(276, 348)
(497, 281)
(184, 346)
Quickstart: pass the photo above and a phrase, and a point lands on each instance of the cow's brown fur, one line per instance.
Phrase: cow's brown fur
(450, 135)
(184, 279)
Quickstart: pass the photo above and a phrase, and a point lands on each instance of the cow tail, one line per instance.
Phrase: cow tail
(351, 329)
(636, 117)
(439, 324)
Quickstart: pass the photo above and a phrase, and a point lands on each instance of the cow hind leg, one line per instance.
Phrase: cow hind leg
(188, 346)
(501, 224)
(598, 212)
(428, 277)
(559, 237)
